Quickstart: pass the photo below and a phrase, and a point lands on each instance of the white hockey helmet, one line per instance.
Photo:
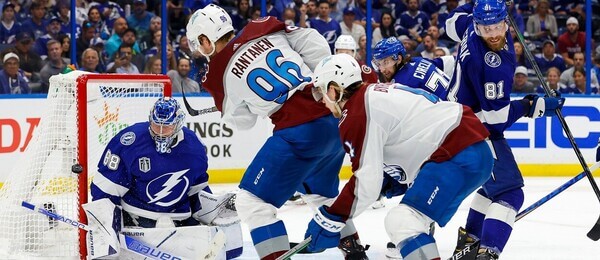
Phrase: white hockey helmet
(342, 69)
(211, 21)
(345, 42)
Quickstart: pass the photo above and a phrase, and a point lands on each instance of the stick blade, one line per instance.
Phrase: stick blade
(594, 234)
(295, 249)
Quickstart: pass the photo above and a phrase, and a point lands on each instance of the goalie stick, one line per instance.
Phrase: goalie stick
(295, 249)
(133, 244)
(194, 112)
(594, 233)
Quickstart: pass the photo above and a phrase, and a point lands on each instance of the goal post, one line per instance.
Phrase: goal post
(83, 112)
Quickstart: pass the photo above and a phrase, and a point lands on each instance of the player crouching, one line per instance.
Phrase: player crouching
(153, 177)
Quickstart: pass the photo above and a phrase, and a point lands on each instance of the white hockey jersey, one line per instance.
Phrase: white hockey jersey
(398, 126)
(264, 71)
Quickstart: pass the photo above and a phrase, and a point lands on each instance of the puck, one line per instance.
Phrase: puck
(77, 168)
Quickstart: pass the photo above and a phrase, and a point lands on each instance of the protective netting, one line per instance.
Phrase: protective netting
(43, 176)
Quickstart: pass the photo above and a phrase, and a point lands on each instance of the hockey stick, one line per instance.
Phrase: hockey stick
(295, 249)
(216, 245)
(594, 233)
(555, 192)
(194, 112)
(132, 244)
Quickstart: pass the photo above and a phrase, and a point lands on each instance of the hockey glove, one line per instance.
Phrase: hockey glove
(391, 187)
(544, 106)
(325, 230)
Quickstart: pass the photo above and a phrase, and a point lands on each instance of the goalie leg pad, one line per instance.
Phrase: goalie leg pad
(104, 221)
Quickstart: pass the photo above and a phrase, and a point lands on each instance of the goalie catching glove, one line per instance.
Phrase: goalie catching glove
(544, 106)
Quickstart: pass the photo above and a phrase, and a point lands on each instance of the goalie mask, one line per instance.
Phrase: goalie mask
(166, 120)
(211, 21)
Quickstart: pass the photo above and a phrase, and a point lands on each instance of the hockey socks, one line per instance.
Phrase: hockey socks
(270, 241)
(419, 247)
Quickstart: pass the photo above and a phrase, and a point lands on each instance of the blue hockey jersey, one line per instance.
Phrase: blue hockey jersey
(483, 78)
(149, 184)
(422, 73)
(331, 29)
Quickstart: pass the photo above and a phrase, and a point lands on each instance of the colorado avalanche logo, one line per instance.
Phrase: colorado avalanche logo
(492, 59)
(395, 171)
(365, 69)
(168, 188)
(127, 138)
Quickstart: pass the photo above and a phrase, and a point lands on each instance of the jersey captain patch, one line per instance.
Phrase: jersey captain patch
(492, 59)
(127, 138)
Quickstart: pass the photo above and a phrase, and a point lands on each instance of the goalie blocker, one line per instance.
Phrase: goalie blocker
(218, 213)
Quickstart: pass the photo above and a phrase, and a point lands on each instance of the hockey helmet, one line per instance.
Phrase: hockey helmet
(211, 21)
(388, 47)
(166, 120)
(488, 12)
(345, 42)
(342, 69)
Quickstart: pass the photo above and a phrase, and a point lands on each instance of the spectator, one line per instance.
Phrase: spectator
(83, 41)
(100, 28)
(431, 7)
(55, 64)
(129, 39)
(571, 41)
(409, 45)
(241, 15)
(29, 61)
(122, 63)
(147, 41)
(65, 42)
(578, 62)
(542, 25)
(578, 85)
(21, 10)
(336, 10)
(361, 54)
(553, 80)
(171, 61)
(385, 30)
(548, 58)
(348, 25)
(434, 32)
(517, 17)
(109, 11)
(98, 45)
(520, 84)
(153, 65)
(361, 14)
(414, 21)
(139, 19)
(9, 27)
(52, 33)
(443, 15)
(329, 28)
(36, 23)
(115, 40)
(289, 18)
(90, 60)
(64, 15)
(12, 80)
(180, 80)
(177, 19)
(519, 55)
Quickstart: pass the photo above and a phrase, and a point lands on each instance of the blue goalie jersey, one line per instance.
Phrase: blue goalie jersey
(149, 184)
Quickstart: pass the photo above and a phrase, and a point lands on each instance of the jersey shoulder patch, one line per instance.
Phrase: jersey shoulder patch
(127, 138)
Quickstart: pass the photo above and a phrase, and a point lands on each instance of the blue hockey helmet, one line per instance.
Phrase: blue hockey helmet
(389, 47)
(488, 12)
(166, 120)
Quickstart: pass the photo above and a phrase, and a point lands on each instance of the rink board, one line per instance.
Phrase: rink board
(540, 146)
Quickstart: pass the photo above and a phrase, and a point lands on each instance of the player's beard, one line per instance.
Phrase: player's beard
(495, 43)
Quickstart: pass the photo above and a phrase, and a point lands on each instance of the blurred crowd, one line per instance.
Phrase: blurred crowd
(124, 36)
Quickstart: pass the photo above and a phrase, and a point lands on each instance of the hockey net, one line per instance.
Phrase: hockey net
(83, 112)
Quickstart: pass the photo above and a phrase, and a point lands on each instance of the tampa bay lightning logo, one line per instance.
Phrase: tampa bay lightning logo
(168, 188)
(492, 59)
(127, 138)
(330, 36)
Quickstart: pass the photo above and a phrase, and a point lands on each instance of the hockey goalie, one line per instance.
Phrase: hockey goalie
(152, 189)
